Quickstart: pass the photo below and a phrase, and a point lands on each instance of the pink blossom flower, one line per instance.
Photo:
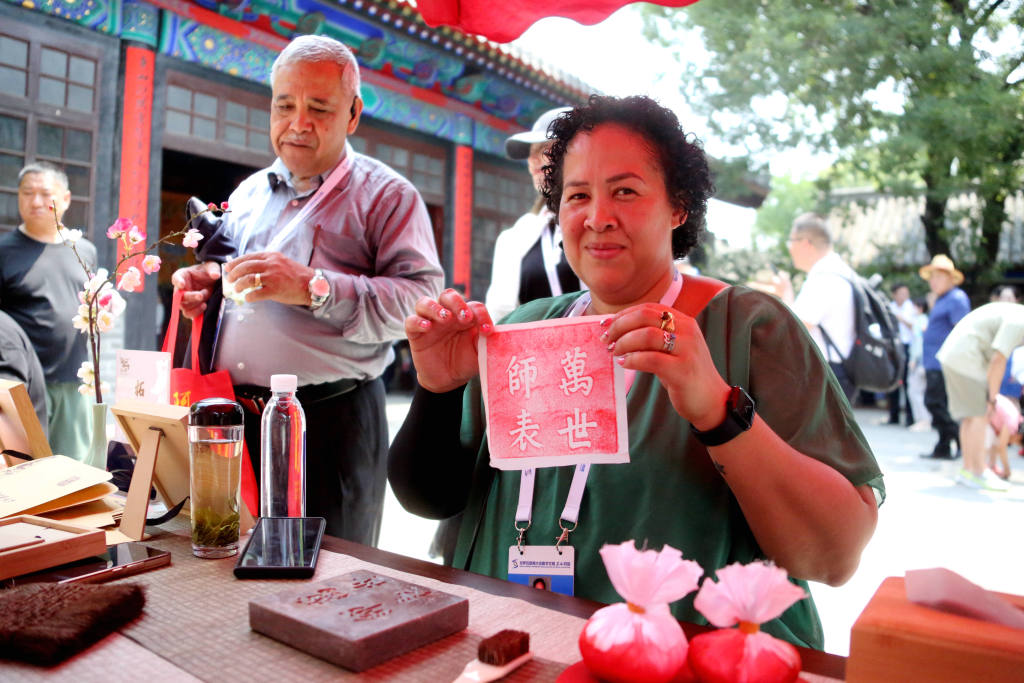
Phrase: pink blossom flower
(105, 321)
(211, 206)
(104, 299)
(191, 239)
(135, 235)
(223, 206)
(131, 280)
(150, 264)
(120, 227)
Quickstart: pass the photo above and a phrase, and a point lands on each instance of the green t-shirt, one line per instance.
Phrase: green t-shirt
(669, 492)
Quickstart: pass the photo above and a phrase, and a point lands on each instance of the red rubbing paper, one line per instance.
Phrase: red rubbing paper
(554, 395)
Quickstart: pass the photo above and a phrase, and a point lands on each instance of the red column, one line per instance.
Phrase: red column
(462, 259)
(136, 124)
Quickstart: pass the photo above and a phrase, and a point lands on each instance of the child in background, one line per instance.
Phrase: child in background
(1005, 420)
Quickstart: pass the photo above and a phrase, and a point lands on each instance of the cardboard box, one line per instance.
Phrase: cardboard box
(897, 640)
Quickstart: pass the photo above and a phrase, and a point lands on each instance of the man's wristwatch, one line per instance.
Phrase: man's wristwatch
(319, 290)
(739, 415)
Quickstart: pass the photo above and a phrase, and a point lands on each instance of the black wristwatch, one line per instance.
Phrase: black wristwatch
(739, 415)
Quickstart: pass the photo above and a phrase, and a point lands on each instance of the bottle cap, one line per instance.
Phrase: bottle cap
(283, 383)
(215, 412)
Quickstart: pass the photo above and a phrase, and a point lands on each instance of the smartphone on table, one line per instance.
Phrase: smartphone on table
(281, 548)
(123, 559)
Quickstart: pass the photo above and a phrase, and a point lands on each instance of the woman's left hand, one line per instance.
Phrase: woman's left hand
(658, 339)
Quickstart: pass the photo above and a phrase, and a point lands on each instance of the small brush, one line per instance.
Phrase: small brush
(497, 657)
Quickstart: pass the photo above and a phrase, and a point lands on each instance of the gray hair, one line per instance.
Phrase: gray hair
(321, 49)
(45, 167)
(812, 226)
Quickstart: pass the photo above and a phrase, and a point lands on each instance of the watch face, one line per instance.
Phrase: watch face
(319, 286)
(742, 405)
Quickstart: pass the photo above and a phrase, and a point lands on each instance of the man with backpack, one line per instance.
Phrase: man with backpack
(825, 302)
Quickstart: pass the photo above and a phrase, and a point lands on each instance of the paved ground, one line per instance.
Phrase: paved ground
(927, 521)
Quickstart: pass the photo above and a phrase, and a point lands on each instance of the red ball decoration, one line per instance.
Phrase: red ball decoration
(725, 656)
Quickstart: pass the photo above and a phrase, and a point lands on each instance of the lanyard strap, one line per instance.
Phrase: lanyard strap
(571, 511)
(286, 234)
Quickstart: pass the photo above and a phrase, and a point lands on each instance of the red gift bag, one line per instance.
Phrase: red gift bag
(189, 385)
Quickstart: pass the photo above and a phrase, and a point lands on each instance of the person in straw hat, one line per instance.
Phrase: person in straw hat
(951, 304)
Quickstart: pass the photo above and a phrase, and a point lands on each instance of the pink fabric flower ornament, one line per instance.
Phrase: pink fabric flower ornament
(640, 640)
(131, 280)
(748, 595)
(120, 227)
(755, 592)
(150, 264)
(191, 239)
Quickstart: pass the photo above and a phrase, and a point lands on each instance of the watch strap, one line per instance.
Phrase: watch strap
(739, 416)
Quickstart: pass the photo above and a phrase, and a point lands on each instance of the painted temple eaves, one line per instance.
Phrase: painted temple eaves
(436, 80)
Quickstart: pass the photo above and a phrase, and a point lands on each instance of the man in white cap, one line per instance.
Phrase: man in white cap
(951, 304)
(528, 259)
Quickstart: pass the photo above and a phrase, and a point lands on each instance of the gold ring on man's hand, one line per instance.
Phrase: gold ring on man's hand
(668, 321)
(259, 281)
(669, 344)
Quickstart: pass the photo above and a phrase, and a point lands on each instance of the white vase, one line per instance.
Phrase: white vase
(97, 456)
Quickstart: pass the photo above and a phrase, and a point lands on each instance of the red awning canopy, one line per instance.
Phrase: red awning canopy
(505, 20)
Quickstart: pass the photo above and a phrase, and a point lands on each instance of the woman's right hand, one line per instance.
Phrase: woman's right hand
(442, 337)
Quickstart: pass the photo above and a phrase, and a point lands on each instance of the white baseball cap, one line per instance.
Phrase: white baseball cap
(518, 146)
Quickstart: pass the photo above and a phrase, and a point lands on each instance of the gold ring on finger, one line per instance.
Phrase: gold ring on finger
(668, 322)
(669, 343)
(259, 280)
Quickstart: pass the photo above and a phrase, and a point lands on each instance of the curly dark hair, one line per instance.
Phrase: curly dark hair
(684, 165)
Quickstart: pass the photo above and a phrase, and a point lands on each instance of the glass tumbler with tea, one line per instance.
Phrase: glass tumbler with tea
(215, 432)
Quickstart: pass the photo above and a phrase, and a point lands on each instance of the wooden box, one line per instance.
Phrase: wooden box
(897, 640)
(62, 543)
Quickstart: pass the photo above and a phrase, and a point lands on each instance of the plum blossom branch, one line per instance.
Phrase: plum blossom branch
(99, 301)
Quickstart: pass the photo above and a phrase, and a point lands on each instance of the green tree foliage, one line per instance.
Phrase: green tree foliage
(908, 93)
(788, 199)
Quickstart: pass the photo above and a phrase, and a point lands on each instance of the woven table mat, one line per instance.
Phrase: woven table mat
(197, 618)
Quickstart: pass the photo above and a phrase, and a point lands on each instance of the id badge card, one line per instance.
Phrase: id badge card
(543, 567)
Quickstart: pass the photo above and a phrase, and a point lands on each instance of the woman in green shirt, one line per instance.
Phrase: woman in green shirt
(742, 446)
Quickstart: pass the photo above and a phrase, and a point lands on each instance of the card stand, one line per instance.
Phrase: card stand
(158, 433)
(27, 554)
(19, 425)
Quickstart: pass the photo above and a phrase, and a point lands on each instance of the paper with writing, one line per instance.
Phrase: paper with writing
(39, 481)
(553, 395)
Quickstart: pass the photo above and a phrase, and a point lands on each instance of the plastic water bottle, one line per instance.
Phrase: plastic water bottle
(283, 452)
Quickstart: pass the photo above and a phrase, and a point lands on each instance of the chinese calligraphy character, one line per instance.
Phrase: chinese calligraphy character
(368, 612)
(140, 388)
(576, 429)
(525, 431)
(322, 596)
(521, 375)
(573, 365)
